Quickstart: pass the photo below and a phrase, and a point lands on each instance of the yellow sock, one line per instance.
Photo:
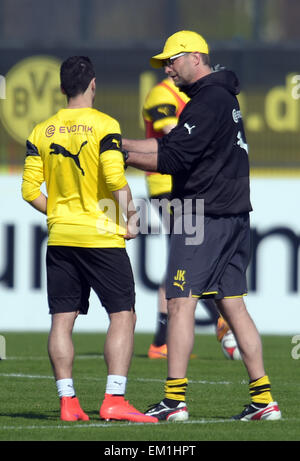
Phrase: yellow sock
(175, 389)
(260, 390)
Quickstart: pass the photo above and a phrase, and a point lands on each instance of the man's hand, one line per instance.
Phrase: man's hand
(132, 227)
(124, 198)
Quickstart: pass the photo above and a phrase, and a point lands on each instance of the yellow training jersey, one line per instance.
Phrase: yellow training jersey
(77, 153)
(162, 107)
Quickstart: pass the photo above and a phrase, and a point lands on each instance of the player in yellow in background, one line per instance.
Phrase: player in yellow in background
(77, 153)
(161, 110)
(162, 107)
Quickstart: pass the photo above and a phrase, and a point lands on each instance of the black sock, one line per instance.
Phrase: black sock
(160, 337)
(171, 403)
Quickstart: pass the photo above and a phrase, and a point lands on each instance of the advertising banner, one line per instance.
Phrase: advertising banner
(273, 274)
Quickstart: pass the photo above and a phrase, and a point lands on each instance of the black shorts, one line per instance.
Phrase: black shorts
(73, 271)
(216, 267)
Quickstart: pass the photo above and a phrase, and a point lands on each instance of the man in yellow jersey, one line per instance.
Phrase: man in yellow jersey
(162, 108)
(77, 153)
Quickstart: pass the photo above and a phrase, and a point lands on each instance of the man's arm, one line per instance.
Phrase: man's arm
(146, 162)
(144, 146)
(112, 163)
(142, 154)
(33, 178)
(124, 197)
(40, 203)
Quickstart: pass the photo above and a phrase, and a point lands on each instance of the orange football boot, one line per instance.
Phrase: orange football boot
(70, 410)
(158, 352)
(222, 328)
(116, 407)
(161, 352)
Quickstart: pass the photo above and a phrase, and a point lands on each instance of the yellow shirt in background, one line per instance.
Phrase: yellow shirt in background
(162, 107)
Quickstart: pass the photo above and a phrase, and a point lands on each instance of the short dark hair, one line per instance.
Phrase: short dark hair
(76, 74)
(205, 59)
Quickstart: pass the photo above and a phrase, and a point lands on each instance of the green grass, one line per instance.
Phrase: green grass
(29, 406)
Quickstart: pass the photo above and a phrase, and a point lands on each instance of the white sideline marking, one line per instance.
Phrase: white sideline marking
(44, 357)
(148, 380)
(108, 425)
(20, 375)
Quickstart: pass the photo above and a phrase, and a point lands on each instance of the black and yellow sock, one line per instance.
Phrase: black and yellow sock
(260, 390)
(175, 389)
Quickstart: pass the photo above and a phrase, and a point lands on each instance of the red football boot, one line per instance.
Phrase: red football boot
(70, 410)
(116, 407)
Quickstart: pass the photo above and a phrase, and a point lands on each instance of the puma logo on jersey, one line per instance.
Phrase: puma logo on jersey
(117, 142)
(163, 110)
(241, 142)
(188, 127)
(58, 149)
(179, 279)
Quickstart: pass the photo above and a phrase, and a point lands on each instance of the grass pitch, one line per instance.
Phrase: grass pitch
(218, 388)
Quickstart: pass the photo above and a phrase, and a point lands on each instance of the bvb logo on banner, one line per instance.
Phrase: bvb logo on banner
(32, 95)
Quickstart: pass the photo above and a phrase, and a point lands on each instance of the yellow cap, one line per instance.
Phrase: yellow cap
(184, 41)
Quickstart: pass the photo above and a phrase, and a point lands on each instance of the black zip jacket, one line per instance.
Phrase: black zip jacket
(207, 153)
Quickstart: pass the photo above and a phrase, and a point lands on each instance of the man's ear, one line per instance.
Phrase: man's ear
(93, 84)
(197, 58)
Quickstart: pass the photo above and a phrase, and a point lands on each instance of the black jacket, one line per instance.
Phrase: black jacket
(206, 153)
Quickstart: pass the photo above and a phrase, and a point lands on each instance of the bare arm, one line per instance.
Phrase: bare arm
(124, 198)
(146, 162)
(40, 203)
(142, 153)
(144, 146)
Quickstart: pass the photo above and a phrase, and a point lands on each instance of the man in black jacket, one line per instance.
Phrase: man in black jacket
(207, 155)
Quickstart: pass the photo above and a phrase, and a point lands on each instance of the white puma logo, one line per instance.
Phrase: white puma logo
(188, 127)
(241, 143)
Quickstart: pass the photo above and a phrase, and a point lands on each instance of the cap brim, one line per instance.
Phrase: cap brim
(156, 63)
(157, 60)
